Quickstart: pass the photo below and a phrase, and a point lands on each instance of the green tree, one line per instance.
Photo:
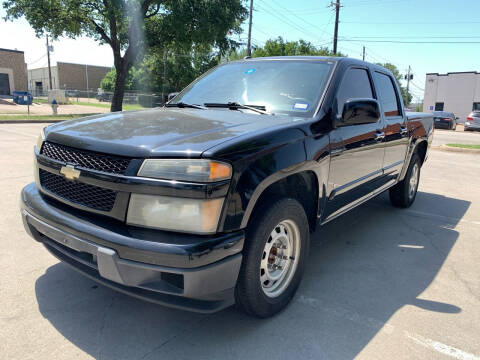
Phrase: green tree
(182, 69)
(131, 26)
(407, 97)
(280, 47)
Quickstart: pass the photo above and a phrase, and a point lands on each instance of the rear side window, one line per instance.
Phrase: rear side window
(387, 95)
(355, 85)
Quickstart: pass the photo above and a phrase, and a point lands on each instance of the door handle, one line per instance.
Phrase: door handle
(403, 130)
(379, 136)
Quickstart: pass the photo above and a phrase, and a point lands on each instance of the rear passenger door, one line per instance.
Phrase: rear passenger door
(396, 132)
(356, 150)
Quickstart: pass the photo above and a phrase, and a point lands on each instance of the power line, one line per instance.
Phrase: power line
(303, 20)
(411, 37)
(411, 42)
(411, 22)
(285, 20)
(40, 58)
(369, 3)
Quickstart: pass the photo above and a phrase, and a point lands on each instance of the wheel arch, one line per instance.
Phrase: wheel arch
(302, 186)
(420, 146)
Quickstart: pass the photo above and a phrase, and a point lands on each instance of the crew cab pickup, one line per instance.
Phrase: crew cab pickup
(211, 199)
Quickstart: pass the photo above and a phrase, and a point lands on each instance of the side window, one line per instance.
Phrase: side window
(355, 84)
(387, 95)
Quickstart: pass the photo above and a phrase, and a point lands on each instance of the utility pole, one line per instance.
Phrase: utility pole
(363, 57)
(86, 76)
(164, 84)
(249, 43)
(335, 34)
(409, 77)
(49, 68)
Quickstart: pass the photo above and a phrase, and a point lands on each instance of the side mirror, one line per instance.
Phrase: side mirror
(172, 95)
(359, 111)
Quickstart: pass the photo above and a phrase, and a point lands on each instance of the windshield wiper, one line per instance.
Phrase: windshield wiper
(185, 105)
(235, 106)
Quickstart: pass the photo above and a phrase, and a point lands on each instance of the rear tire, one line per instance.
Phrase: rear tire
(274, 258)
(404, 193)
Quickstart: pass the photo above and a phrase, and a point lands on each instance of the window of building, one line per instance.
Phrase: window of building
(355, 85)
(439, 106)
(476, 106)
(388, 95)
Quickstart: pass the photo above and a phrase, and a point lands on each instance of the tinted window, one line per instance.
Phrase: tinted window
(443, 114)
(387, 95)
(289, 87)
(355, 85)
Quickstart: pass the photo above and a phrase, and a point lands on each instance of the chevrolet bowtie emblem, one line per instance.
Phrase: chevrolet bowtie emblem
(70, 172)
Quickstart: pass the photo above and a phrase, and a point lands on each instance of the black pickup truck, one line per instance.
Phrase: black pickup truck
(211, 200)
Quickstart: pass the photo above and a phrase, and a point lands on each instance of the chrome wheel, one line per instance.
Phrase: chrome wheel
(280, 258)
(412, 187)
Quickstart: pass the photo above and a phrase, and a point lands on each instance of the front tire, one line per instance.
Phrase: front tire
(274, 258)
(403, 194)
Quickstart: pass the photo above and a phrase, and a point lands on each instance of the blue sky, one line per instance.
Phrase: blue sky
(362, 22)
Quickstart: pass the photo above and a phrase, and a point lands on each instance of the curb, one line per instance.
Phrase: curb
(455, 149)
(31, 121)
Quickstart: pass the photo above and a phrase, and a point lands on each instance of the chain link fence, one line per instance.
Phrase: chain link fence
(72, 96)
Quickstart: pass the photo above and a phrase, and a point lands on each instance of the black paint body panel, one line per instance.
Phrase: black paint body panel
(343, 166)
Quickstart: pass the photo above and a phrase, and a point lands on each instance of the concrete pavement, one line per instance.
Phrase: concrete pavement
(443, 137)
(381, 283)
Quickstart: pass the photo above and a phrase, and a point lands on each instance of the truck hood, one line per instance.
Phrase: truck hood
(160, 132)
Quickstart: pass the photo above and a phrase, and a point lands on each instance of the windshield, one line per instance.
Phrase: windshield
(442, 113)
(283, 86)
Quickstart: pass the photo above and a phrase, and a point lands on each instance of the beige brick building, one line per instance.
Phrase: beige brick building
(67, 76)
(13, 71)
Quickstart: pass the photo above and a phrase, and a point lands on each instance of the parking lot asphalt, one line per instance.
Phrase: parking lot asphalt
(381, 283)
(443, 137)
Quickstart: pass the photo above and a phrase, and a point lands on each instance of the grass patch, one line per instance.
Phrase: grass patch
(40, 101)
(465, 146)
(125, 107)
(42, 117)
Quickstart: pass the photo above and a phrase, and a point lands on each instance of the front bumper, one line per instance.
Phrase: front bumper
(189, 272)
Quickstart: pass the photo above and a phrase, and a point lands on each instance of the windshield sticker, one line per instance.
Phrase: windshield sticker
(300, 106)
(249, 71)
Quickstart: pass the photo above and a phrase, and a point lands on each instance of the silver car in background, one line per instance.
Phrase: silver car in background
(473, 121)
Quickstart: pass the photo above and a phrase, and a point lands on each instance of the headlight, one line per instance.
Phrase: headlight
(176, 214)
(192, 170)
(40, 140)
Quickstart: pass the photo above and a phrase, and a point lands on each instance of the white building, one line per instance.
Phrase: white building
(456, 92)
